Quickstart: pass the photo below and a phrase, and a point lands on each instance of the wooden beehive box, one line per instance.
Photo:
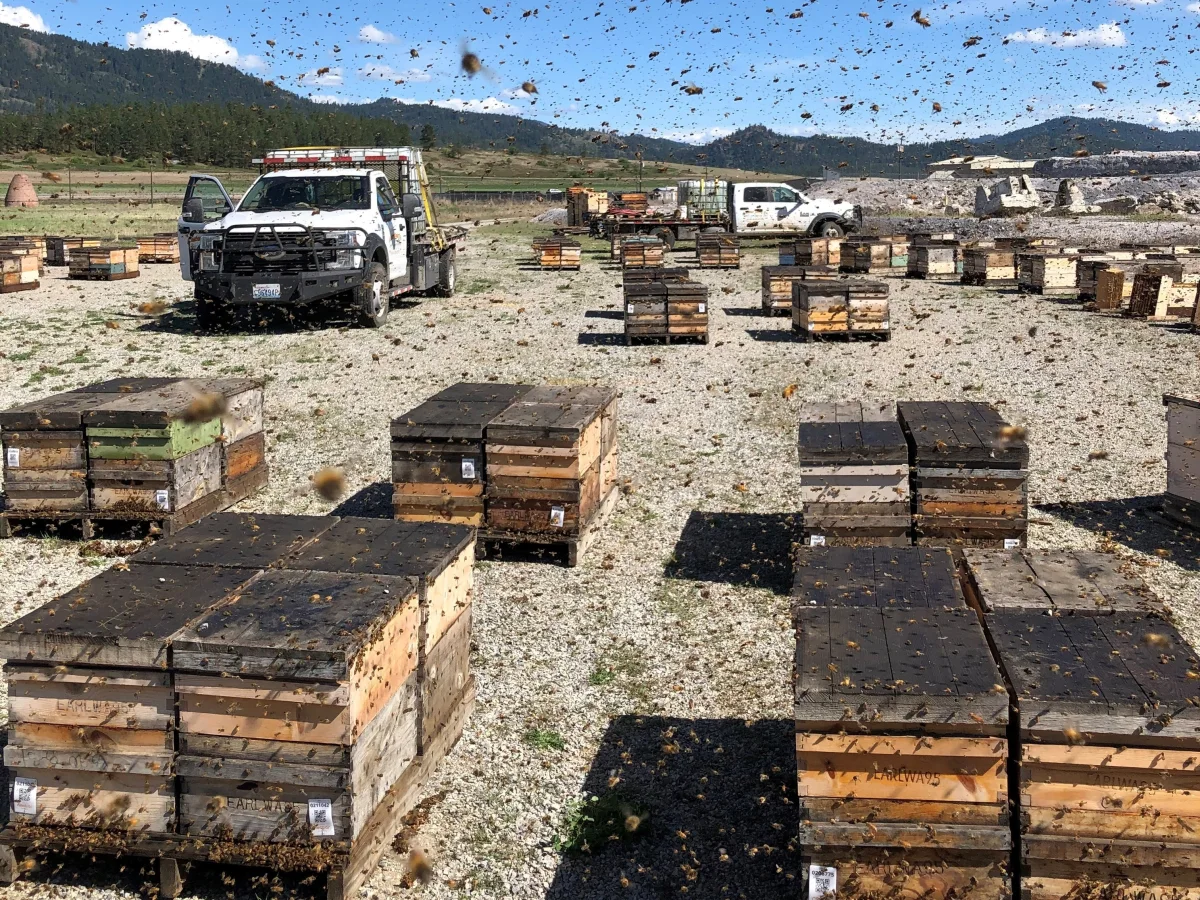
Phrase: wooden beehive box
(35, 248)
(104, 263)
(58, 249)
(810, 252)
(777, 284)
(717, 251)
(872, 257)
(91, 716)
(938, 262)
(1047, 273)
(854, 479)
(551, 461)
(843, 308)
(439, 456)
(687, 310)
(1107, 710)
(158, 248)
(557, 253)
(989, 266)
(900, 729)
(970, 469)
(641, 252)
(645, 309)
(18, 272)
(1182, 499)
(1161, 293)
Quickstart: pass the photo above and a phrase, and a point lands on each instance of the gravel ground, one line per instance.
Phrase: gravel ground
(658, 672)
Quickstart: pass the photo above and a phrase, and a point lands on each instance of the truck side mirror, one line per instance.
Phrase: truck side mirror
(193, 210)
(412, 205)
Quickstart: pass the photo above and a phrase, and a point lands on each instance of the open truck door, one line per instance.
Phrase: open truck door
(205, 201)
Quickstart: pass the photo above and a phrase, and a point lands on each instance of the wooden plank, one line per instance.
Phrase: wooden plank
(244, 540)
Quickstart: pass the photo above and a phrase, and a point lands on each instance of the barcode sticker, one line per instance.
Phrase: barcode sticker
(320, 817)
(13, 457)
(162, 499)
(558, 516)
(24, 796)
(1012, 543)
(702, 307)
(822, 882)
(816, 540)
(468, 468)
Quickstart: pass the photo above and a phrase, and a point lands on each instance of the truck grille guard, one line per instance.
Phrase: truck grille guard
(251, 249)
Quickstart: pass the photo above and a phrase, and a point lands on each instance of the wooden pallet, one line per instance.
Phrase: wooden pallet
(576, 546)
(347, 867)
(822, 309)
(854, 475)
(970, 470)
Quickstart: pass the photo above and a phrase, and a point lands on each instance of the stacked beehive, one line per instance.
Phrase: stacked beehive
(717, 251)
(1182, 499)
(872, 256)
(641, 251)
(161, 450)
(1047, 272)
(989, 266)
(557, 253)
(777, 284)
(810, 252)
(900, 730)
(935, 260)
(1163, 291)
(103, 263)
(18, 272)
(840, 309)
(439, 455)
(24, 246)
(645, 308)
(141, 448)
(91, 709)
(552, 462)
(1107, 721)
(854, 475)
(670, 307)
(635, 201)
(58, 249)
(969, 474)
(158, 248)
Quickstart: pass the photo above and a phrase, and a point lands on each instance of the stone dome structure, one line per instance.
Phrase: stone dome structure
(21, 192)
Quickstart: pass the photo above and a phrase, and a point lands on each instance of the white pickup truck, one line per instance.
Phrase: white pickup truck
(749, 209)
(318, 225)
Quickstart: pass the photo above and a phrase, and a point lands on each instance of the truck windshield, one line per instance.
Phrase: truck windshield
(275, 194)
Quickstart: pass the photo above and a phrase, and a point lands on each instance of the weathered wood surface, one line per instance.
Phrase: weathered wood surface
(840, 308)
(876, 577)
(236, 540)
(1082, 581)
(870, 873)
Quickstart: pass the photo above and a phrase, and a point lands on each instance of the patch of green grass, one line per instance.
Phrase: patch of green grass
(602, 676)
(479, 286)
(22, 356)
(592, 824)
(625, 667)
(544, 739)
(43, 373)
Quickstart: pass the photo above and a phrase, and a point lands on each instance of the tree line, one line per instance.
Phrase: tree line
(226, 135)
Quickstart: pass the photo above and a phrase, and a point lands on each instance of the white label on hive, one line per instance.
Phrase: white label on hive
(1012, 543)
(822, 882)
(24, 796)
(702, 307)
(468, 468)
(13, 457)
(816, 540)
(320, 817)
(162, 499)
(558, 516)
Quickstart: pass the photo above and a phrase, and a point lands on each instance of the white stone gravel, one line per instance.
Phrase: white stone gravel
(664, 661)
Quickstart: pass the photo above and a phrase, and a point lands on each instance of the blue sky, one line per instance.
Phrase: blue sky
(866, 68)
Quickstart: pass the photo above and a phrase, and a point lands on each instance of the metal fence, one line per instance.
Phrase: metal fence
(494, 196)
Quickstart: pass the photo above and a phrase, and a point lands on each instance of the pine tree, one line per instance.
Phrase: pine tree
(428, 137)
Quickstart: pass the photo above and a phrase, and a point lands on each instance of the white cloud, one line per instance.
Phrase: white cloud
(173, 34)
(387, 73)
(1136, 3)
(21, 17)
(369, 34)
(332, 78)
(1166, 117)
(1108, 34)
(328, 98)
(1194, 7)
(698, 136)
(486, 105)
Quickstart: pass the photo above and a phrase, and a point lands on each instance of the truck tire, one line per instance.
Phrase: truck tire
(371, 297)
(447, 272)
(829, 229)
(666, 235)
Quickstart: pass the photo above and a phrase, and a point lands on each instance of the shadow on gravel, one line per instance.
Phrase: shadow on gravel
(714, 806)
(782, 335)
(604, 314)
(746, 549)
(602, 339)
(372, 502)
(181, 319)
(1136, 522)
(751, 311)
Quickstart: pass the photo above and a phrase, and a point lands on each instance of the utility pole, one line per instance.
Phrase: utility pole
(70, 194)
(151, 182)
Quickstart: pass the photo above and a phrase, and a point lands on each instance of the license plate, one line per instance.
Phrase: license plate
(266, 292)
